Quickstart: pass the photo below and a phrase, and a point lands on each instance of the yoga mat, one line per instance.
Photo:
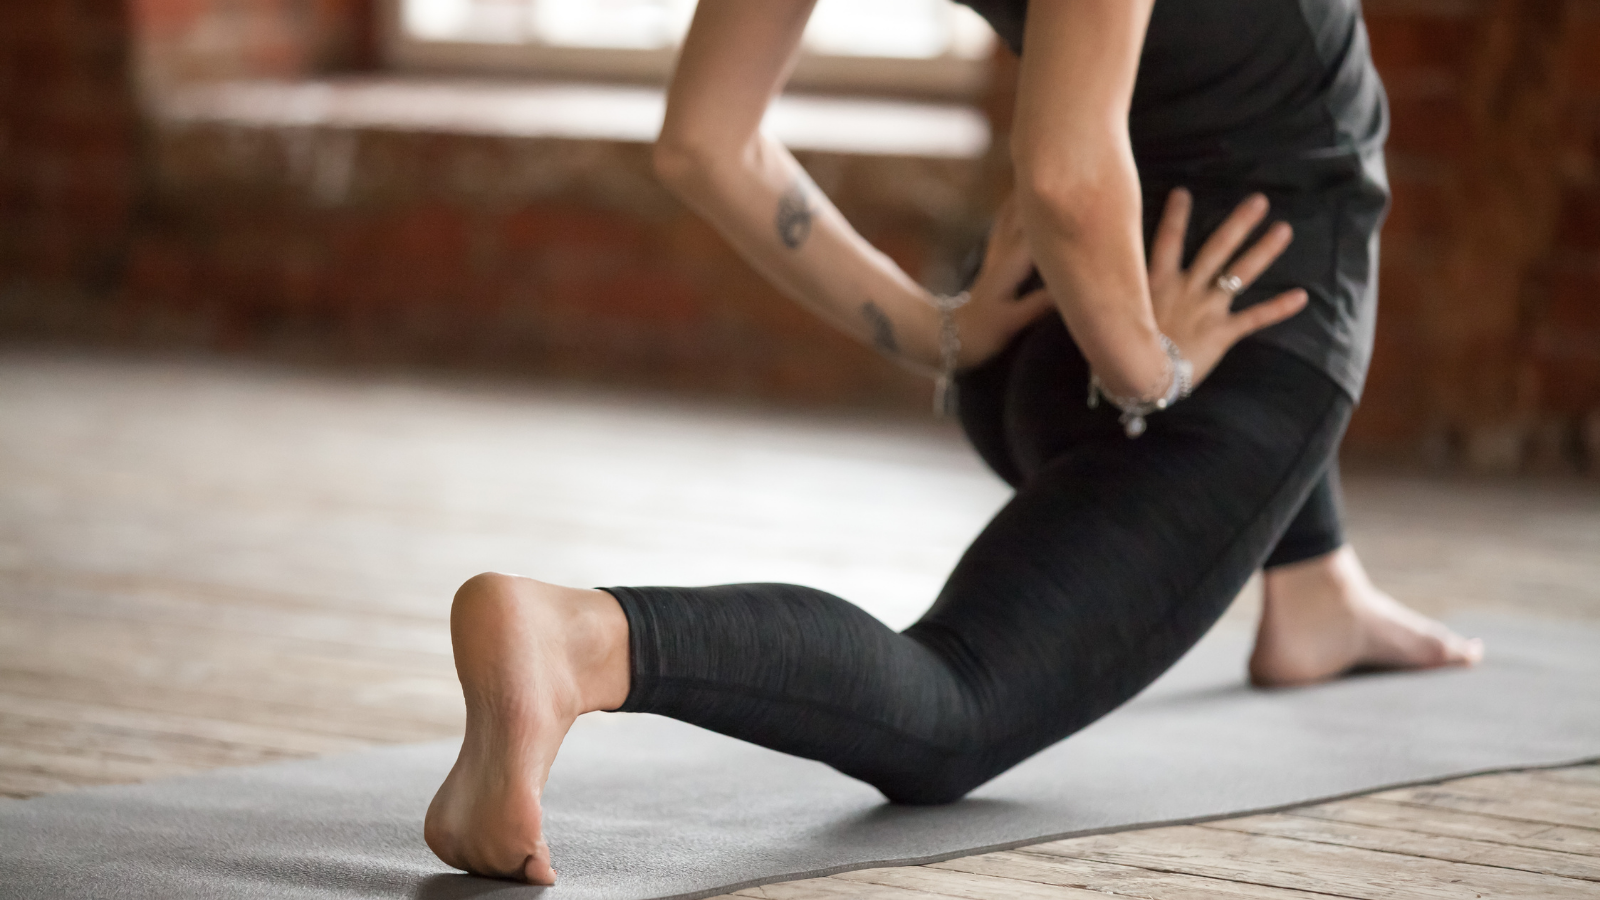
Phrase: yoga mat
(642, 807)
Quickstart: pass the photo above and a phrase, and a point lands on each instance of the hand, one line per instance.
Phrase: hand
(995, 313)
(1190, 308)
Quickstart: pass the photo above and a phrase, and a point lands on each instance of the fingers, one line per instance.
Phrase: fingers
(1166, 253)
(1225, 241)
(1033, 301)
(1034, 282)
(1025, 309)
(1257, 317)
(1249, 266)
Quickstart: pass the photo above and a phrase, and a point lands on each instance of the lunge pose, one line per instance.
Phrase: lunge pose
(1168, 421)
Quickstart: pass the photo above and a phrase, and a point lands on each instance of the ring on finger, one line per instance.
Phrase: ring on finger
(1229, 284)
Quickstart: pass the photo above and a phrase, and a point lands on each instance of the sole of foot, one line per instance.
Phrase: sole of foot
(1324, 618)
(529, 656)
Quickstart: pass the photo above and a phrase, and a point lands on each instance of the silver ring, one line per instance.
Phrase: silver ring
(1229, 284)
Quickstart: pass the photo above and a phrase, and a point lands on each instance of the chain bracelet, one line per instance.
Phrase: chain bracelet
(1180, 383)
(944, 393)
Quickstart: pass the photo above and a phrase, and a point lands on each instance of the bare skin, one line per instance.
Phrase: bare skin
(532, 657)
(1324, 617)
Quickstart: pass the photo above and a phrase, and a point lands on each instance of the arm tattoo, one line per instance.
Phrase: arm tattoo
(794, 216)
(882, 328)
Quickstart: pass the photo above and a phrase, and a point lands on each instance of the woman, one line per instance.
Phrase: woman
(1138, 516)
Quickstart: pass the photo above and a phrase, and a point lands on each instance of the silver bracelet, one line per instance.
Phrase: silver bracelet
(1180, 383)
(944, 394)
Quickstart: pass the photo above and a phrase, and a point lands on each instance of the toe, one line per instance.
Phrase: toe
(1466, 651)
(537, 870)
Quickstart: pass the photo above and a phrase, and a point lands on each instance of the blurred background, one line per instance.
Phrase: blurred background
(465, 184)
(311, 309)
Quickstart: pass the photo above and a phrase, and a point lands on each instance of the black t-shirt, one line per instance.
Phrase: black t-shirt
(1273, 95)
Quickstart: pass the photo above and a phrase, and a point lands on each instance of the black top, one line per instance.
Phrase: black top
(1273, 95)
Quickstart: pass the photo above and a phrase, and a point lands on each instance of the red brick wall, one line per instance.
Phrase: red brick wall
(565, 257)
(1488, 341)
(538, 255)
(186, 40)
(69, 154)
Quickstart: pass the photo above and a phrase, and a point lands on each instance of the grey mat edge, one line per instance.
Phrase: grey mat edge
(1117, 829)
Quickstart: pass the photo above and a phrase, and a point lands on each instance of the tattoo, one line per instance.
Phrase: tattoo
(882, 328)
(794, 216)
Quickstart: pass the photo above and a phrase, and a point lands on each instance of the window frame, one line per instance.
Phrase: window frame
(949, 78)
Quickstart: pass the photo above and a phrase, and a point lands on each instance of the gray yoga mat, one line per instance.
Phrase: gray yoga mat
(643, 807)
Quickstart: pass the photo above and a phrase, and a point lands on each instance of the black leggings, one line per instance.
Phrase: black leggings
(1318, 527)
(1112, 559)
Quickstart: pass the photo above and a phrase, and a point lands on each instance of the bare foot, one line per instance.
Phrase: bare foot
(1324, 617)
(531, 657)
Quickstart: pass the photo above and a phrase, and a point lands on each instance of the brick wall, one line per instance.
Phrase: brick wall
(1489, 339)
(550, 256)
(69, 158)
(188, 40)
(541, 255)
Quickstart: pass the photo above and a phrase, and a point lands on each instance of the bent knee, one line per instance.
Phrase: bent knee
(943, 782)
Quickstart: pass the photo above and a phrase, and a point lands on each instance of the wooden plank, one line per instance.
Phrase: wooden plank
(1123, 881)
(1455, 823)
(179, 725)
(1390, 840)
(1496, 803)
(20, 784)
(1575, 774)
(968, 885)
(1530, 786)
(112, 641)
(48, 735)
(213, 607)
(238, 668)
(88, 767)
(336, 723)
(1322, 868)
(829, 889)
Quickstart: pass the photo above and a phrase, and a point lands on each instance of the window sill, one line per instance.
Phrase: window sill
(566, 111)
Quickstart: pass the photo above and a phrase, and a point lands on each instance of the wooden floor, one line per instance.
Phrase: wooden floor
(204, 565)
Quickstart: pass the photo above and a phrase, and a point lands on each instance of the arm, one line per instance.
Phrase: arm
(1081, 209)
(712, 155)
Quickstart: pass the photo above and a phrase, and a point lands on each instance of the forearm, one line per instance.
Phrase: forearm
(760, 199)
(1077, 188)
(1084, 229)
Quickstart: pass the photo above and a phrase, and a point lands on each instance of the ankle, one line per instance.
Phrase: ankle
(583, 633)
(599, 648)
(1331, 576)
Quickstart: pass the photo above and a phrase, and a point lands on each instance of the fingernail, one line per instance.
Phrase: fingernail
(1258, 201)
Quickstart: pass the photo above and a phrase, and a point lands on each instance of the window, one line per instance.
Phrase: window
(918, 47)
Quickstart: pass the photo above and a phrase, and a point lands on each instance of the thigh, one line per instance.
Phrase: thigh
(1117, 554)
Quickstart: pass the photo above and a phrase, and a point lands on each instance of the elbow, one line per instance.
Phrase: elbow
(1065, 193)
(686, 165)
(1057, 202)
(677, 163)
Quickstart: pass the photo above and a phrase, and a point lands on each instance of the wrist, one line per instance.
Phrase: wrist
(1138, 369)
(1179, 382)
(949, 338)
